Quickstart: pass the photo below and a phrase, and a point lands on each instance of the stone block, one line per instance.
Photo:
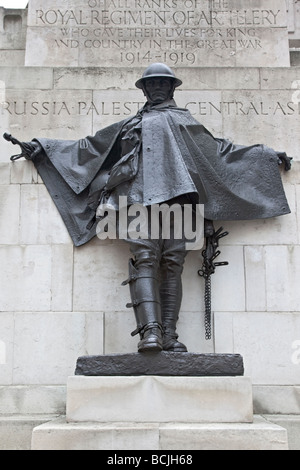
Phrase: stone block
(281, 78)
(298, 210)
(59, 435)
(4, 173)
(276, 399)
(268, 343)
(118, 326)
(25, 400)
(264, 289)
(264, 231)
(27, 78)
(62, 278)
(292, 425)
(16, 431)
(196, 78)
(275, 119)
(53, 341)
(269, 46)
(40, 222)
(34, 277)
(228, 282)
(56, 114)
(12, 58)
(255, 278)
(51, 52)
(214, 78)
(25, 278)
(292, 177)
(203, 106)
(6, 150)
(159, 399)
(261, 435)
(23, 172)
(282, 274)
(96, 78)
(6, 348)
(99, 270)
(9, 214)
(223, 332)
(192, 332)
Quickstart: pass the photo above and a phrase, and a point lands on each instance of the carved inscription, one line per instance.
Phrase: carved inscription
(239, 107)
(138, 32)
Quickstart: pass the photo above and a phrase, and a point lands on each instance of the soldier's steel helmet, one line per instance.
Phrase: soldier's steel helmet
(158, 70)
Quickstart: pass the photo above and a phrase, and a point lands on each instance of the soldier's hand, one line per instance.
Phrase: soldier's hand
(31, 149)
(283, 158)
(209, 229)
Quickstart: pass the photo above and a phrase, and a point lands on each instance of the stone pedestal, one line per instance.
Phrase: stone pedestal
(156, 412)
(159, 399)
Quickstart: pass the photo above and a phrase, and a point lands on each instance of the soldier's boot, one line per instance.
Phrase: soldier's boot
(144, 291)
(171, 296)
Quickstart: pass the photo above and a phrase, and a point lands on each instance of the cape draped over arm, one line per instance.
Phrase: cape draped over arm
(237, 182)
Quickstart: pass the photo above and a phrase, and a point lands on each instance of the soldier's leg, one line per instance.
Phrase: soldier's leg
(172, 262)
(144, 289)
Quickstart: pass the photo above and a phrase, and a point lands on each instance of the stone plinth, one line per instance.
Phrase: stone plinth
(162, 363)
(159, 413)
(259, 435)
(159, 399)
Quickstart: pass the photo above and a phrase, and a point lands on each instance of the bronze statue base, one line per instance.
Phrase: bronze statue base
(161, 363)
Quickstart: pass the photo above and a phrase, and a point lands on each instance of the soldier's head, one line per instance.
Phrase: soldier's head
(158, 83)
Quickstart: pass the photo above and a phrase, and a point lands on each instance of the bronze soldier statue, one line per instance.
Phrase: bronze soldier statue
(160, 156)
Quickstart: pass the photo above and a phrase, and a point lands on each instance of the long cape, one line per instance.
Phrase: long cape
(236, 182)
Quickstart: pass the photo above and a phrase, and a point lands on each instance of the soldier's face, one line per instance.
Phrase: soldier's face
(158, 89)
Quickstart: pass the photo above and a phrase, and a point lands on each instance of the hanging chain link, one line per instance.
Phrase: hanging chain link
(208, 268)
(207, 301)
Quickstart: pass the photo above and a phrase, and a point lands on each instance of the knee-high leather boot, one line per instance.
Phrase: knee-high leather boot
(171, 296)
(144, 291)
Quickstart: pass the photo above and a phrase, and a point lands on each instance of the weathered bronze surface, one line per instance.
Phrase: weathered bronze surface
(161, 155)
(163, 363)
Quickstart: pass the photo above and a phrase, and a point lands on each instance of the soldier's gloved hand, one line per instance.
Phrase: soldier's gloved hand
(283, 158)
(209, 229)
(31, 149)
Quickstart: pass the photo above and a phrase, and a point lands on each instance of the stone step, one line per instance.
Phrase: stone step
(259, 435)
(16, 430)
